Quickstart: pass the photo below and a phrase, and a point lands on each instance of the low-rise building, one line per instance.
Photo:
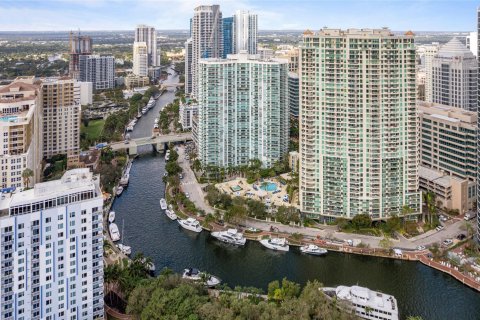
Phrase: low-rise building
(134, 81)
(188, 110)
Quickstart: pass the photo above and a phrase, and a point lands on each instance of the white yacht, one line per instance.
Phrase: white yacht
(190, 224)
(196, 275)
(366, 303)
(163, 204)
(126, 250)
(313, 250)
(231, 236)
(171, 214)
(279, 244)
(119, 191)
(124, 180)
(111, 216)
(114, 233)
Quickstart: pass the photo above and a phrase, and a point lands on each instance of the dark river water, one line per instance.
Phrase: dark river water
(418, 289)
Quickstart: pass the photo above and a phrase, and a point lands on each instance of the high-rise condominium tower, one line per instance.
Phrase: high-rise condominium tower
(100, 70)
(148, 35)
(478, 136)
(51, 250)
(79, 45)
(140, 59)
(455, 76)
(21, 133)
(207, 37)
(358, 124)
(61, 113)
(188, 66)
(243, 111)
(429, 53)
(227, 36)
(245, 28)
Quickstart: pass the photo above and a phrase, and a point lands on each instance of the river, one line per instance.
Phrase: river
(419, 290)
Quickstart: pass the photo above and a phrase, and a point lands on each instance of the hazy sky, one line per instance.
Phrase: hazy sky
(417, 15)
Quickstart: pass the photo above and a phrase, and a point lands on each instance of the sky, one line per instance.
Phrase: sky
(398, 15)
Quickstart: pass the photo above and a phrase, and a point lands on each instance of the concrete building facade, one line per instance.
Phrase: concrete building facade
(243, 111)
(188, 66)
(100, 70)
(148, 35)
(227, 36)
(140, 59)
(455, 76)
(245, 30)
(358, 124)
(293, 94)
(51, 250)
(20, 132)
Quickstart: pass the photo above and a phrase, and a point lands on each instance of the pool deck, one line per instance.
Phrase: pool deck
(261, 195)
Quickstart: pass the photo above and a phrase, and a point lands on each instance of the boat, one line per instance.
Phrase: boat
(114, 233)
(163, 204)
(231, 236)
(119, 190)
(279, 244)
(198, 276)
(124, 180)
(313, 250)
(126, 250)
(111, 216)
(365, 303)
(171, 214)
(190, 224)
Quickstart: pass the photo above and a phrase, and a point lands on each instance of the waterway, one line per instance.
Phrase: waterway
(419, 290)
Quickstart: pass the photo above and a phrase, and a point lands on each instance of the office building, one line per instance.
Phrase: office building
(293, 94)
(21, 133)
(79, 45)
(188, 111)
(148, 35)
(245, 29)
(140, 59)
(100, 70)
(429, 52)
(471, 42)
(227, 36)
(358, 135)
(455, 76)
(207, 38)
(188, 66)
(61, 113)
(243, 111)
(51, 250)
(448, 148)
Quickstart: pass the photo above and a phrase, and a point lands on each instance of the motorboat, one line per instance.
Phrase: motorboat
(111, 216)
(190, 224)
(278, 244)
(126, 250)
(365, 303)
(124, 180)
(231, 236)
(163, 204)
(119, 191)
(313, 250)
(171, 214)
(114, 233)
(198, 276)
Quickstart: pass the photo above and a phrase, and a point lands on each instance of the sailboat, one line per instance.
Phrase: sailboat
(126, 250)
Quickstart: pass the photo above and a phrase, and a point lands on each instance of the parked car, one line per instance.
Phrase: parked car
(420, 248)
(447, 242)
(187, 195)
(439, 228)
(442, 218)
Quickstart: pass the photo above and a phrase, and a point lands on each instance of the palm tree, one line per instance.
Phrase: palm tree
(406, 210)
(26, 175)
(429, 201)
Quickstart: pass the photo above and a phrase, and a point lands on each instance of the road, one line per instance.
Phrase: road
(189, 183)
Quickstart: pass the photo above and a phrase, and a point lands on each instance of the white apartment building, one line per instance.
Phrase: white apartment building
(148, 35)
(86, 93)
(243, 111)
(20, 132)
(188, 111)
(471, 42)
(51, 250)
(100, 70)
(245, 30)
(188, 66)
(358, 124)
(455, 76)
(61, 111)
(207, 38)
(429, 51)
(140, 59)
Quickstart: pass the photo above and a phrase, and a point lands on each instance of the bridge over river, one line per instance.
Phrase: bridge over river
(158, 142)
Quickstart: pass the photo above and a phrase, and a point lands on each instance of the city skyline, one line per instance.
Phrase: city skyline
(88, 15)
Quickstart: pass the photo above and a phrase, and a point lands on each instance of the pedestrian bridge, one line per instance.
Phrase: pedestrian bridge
(170, 85)
(158, 142)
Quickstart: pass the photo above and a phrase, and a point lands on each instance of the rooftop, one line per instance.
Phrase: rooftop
(455, 48)
(436, 176)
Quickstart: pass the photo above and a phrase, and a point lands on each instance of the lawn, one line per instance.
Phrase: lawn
(94, 129)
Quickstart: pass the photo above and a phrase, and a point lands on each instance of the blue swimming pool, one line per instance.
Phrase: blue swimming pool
(9, 119)
(270, 186)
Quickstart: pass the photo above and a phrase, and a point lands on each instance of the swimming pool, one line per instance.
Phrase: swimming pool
(9, 119)
(270, 186)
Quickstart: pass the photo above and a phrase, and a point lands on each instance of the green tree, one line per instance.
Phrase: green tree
(361, 221)
(26, 175)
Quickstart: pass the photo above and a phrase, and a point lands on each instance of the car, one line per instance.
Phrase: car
(420, 248)
(126, 142)
(461, 237)
(447, 242)
(439, 228)
(187, 195)
(180, 176)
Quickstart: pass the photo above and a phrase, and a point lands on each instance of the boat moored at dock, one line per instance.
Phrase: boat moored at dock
(278, 244)
(111, 216)
(231, 236)
(114, 233)
(163, 204)
(198, 276)
(313, 250)
(190, 224)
